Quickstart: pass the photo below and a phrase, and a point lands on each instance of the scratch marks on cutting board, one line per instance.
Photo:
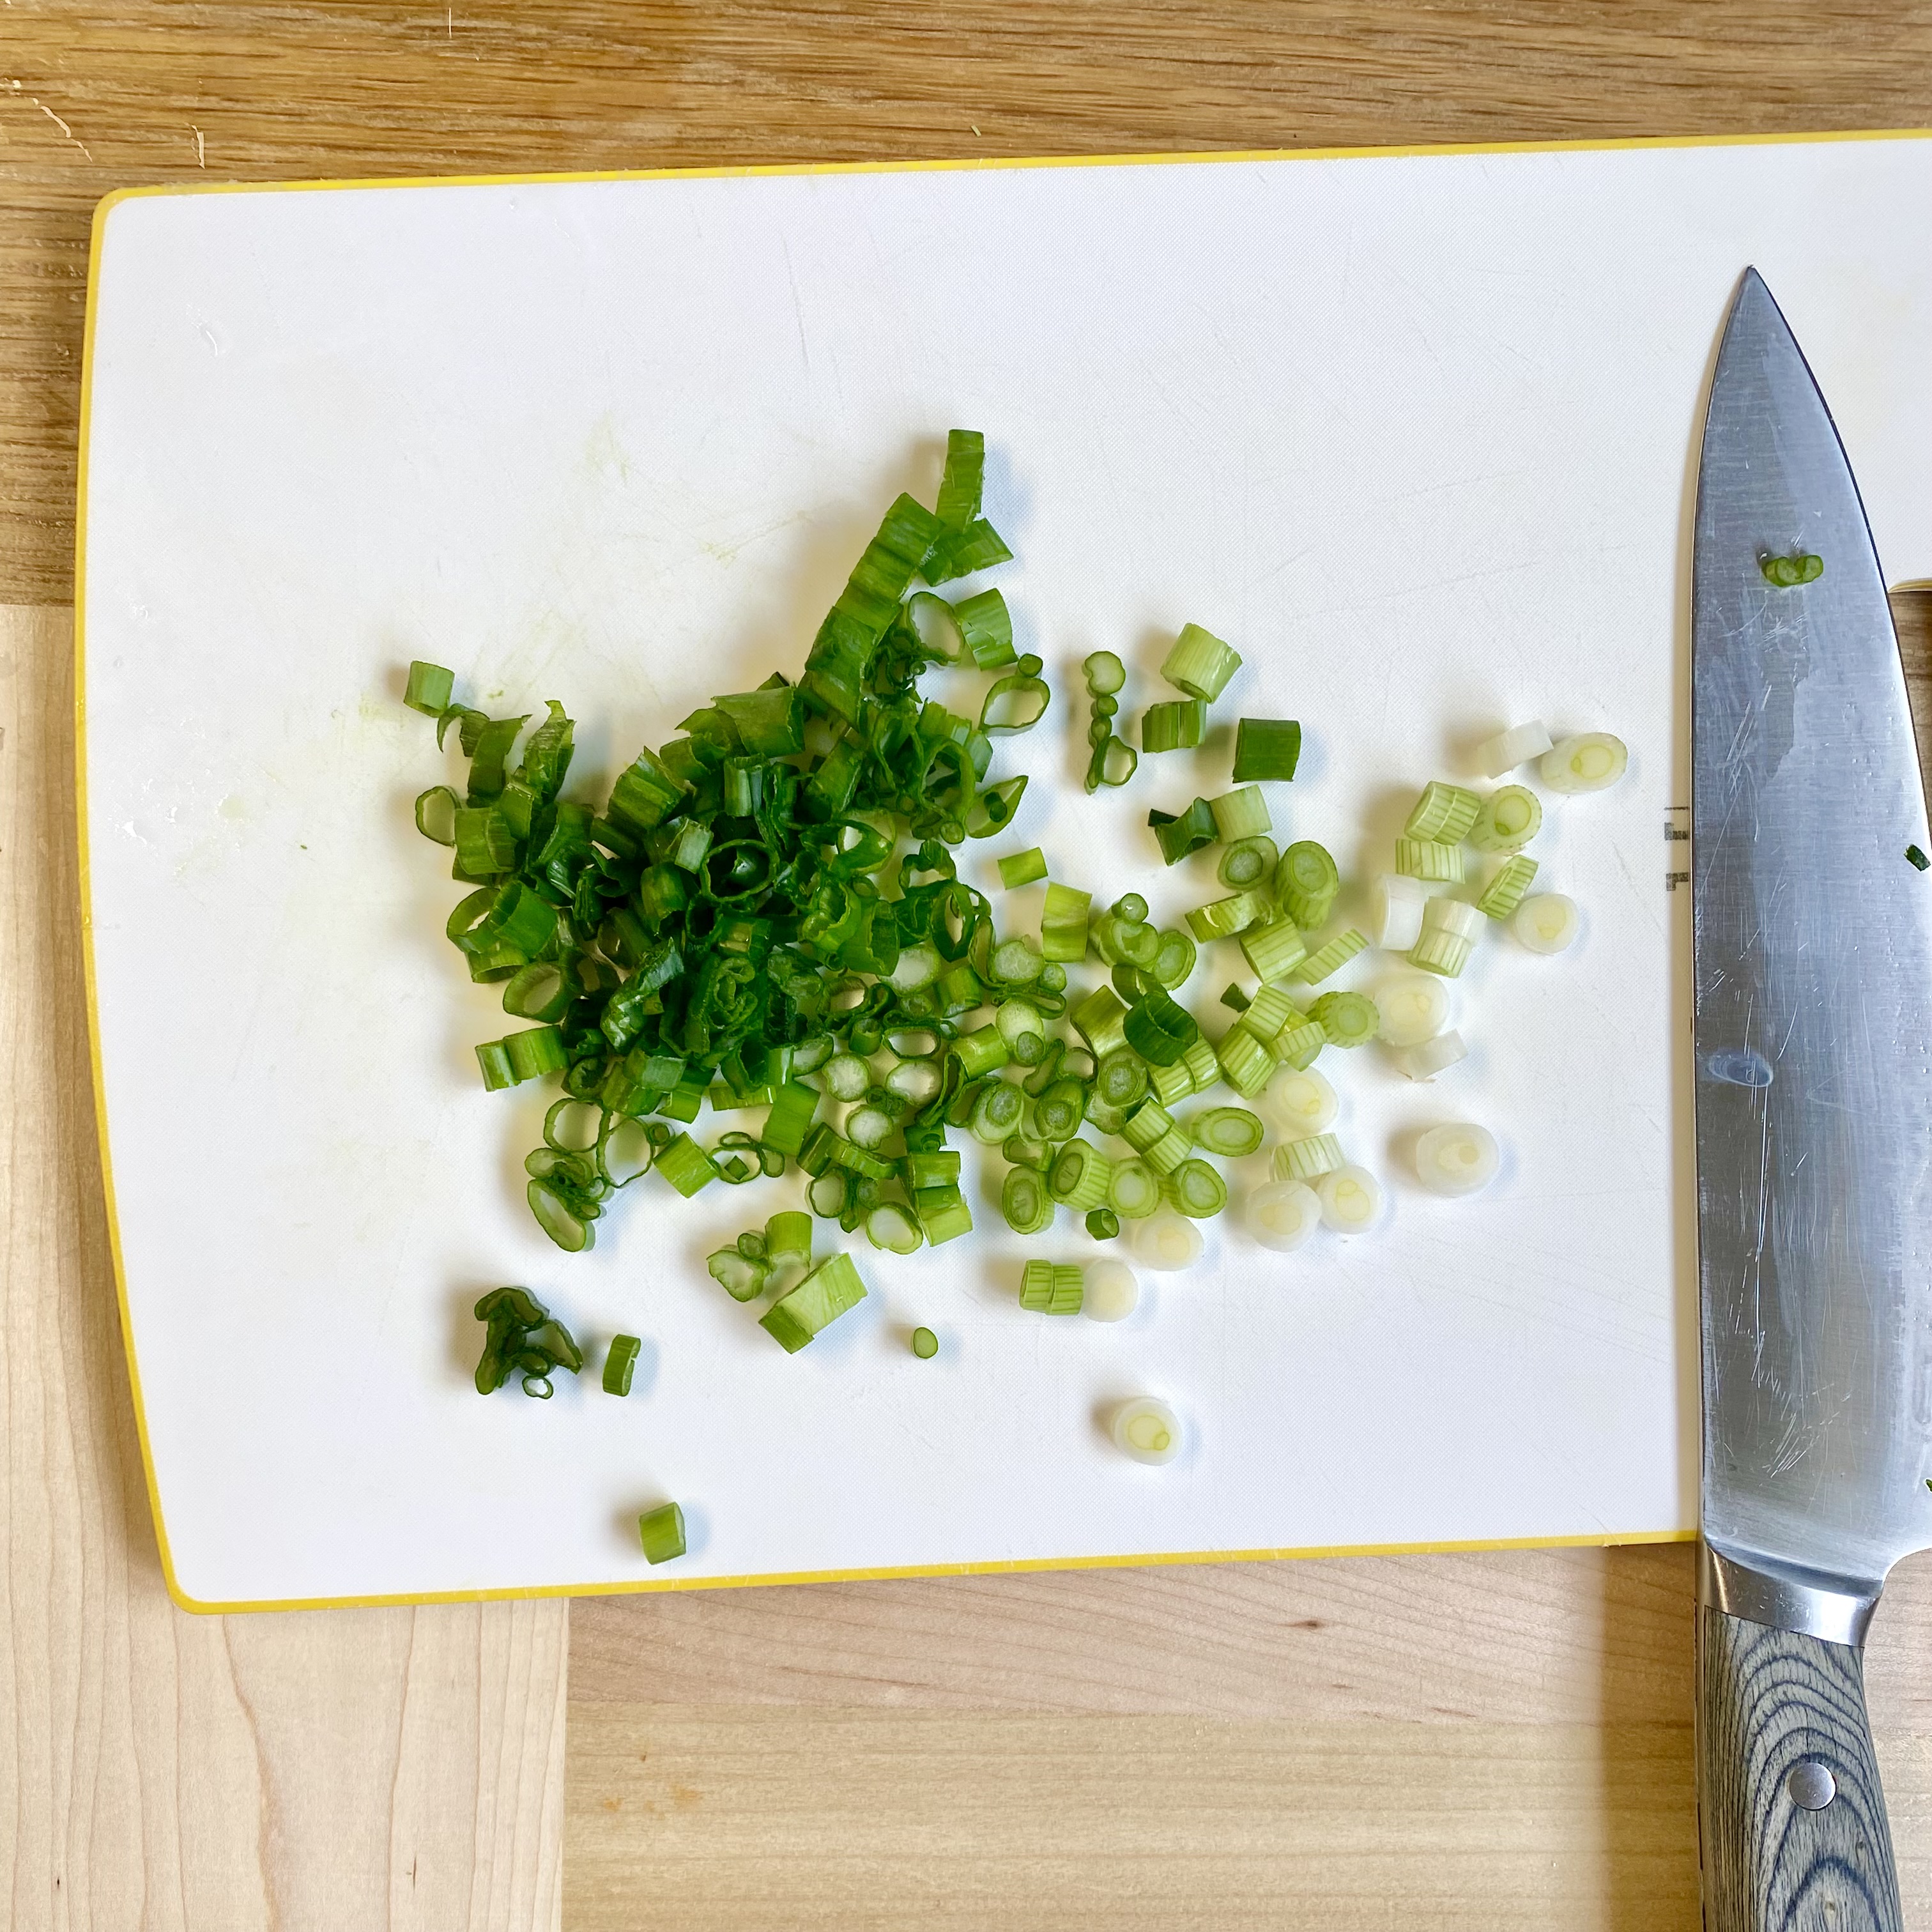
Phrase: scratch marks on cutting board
(67, 132)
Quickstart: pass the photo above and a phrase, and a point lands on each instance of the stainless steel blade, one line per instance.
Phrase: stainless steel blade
(1813, 1029)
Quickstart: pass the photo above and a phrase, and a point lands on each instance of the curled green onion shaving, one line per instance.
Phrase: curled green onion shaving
(1186, 833)
(1102, 1223)
(556, 1136)
(436, 811)
(1787, 571)
(1122, 934)
(1116, 762)
(1113, 761)
(543, 990)
(523, 1339)
(1025, 695)
(1914, 856)
(935, 624)
(742, 1277)
(1159, 1029)
(992, 811)
(892, 1229)
(566, 1194)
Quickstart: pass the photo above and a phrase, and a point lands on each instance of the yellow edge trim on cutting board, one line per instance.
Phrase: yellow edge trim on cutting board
(1016, 1566)
(1209, 156)
(970, 164)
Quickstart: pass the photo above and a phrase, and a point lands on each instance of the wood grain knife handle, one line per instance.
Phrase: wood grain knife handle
(1791, 1820)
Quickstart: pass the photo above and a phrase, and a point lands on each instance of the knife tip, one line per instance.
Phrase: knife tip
(1752, 295)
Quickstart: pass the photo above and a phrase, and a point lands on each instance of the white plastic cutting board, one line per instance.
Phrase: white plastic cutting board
(1415, 433)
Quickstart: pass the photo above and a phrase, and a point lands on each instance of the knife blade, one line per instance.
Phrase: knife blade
(1813, 1086)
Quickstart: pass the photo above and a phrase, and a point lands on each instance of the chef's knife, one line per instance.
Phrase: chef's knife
(1813, 1087)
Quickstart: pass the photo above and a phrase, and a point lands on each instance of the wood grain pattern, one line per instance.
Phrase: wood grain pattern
(95, 96)
(165, 1773)
(1498, 1741)
(1773, 1706)
(1486, 1740)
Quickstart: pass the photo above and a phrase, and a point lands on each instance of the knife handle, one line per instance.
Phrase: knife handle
(1791, 1821)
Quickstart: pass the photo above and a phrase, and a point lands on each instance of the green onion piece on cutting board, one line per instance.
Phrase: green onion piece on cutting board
(1266, 747)
(660, 1532)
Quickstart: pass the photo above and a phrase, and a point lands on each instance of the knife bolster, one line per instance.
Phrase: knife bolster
(1786, 1596)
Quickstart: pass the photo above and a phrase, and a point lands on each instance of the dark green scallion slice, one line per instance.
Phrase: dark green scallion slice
(620, 1363)
(1266, 747)
(1185, 833)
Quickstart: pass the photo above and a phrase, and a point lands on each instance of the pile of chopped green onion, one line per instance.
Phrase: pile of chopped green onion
(765, 919)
